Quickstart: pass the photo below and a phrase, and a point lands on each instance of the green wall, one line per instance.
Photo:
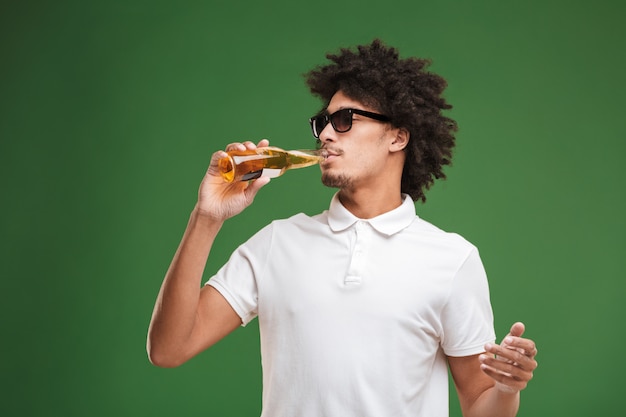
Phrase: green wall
(110, 110)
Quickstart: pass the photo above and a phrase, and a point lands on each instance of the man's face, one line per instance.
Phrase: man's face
(357, 157)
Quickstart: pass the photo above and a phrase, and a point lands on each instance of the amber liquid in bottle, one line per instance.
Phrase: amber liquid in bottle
(267, 162)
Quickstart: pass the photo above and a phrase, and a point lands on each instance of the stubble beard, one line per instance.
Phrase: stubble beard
(336, 181)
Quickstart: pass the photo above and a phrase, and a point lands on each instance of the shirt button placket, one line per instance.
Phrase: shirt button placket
(355, 272)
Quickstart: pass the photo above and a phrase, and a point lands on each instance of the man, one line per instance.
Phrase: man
(364, 308)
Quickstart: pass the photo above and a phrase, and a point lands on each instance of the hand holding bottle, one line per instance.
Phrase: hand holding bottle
(221, 200)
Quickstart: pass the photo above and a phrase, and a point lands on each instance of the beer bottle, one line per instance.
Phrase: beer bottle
(264, 162)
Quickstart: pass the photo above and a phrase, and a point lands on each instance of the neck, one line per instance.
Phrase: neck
(366, 204)
(372, 195)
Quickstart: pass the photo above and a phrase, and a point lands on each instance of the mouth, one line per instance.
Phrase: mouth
(329, 154)
(328, 158)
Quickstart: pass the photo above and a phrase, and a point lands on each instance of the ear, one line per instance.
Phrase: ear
(400, 140)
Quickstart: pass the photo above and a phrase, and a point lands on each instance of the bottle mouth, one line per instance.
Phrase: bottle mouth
(320, 153)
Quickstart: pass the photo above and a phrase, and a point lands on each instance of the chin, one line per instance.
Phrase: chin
(336, 181)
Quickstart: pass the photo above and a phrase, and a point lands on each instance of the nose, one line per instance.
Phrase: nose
(327, 134)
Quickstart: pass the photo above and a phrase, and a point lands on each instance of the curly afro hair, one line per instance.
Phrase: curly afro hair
(403, 90)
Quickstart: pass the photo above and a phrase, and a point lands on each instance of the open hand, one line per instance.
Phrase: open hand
(511, 363)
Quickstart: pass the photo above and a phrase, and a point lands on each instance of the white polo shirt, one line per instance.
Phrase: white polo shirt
(357, 316)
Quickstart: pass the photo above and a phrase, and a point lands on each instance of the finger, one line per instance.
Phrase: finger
(523, 366)
(504, 353)
(511, 383)
(217, 156)
(242, 146)
(510, 370)
(522, 345)
(235, 146)
(212, 169)
(511, 356)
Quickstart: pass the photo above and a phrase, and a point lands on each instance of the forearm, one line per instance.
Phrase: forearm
(176, 307)
(495, 403)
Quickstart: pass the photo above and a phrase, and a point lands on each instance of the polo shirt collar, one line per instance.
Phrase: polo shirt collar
(339, 218)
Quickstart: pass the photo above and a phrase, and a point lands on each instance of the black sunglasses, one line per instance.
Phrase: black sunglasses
(341, 120)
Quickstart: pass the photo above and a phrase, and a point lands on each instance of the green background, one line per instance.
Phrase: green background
(110, 111)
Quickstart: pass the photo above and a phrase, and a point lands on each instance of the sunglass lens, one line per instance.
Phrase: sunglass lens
(319, 123)
(342, 120)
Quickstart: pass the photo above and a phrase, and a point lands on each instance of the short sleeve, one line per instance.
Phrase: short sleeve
(237, 279)
(467, 317)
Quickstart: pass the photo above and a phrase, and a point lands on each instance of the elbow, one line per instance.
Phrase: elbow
(162, 361)
(163, 358)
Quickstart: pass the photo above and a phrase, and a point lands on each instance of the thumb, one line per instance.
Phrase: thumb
(254, 187)
(517, 329)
